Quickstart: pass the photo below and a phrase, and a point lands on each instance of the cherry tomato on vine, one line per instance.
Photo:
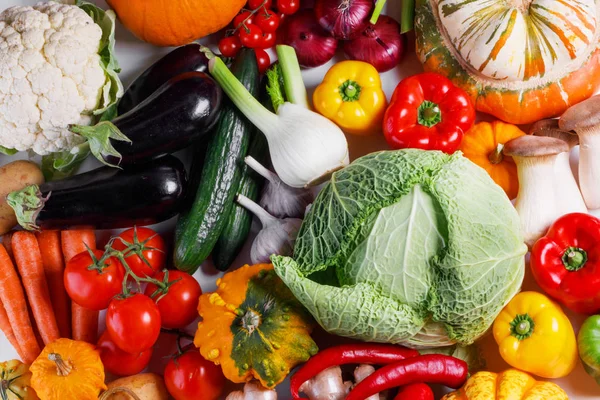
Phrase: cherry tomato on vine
(288, 6)
(254, 4)
(263, 60)
(190, 374)
(178, 307)
(229, 46)
(118, 362)
(268, 40)
(143, 238)
(241, 18)
(133, 323)
(250, 36)
(267, 21)
(93, 288)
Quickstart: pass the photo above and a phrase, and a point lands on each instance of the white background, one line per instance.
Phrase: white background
(134, 56)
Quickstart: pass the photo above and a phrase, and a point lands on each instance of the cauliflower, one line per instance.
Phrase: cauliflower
(55, 70)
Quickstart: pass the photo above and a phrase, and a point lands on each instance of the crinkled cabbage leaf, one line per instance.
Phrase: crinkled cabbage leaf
(413, 247)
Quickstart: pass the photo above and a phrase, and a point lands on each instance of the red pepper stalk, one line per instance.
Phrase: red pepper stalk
(428, 112)
(359, 353)
(566, 262)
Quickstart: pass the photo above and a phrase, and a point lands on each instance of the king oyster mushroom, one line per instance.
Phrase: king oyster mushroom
(253, 391)
(584, 118)
(550, 128)
(542, 198)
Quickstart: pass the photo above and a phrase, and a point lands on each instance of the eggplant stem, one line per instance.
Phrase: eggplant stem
(262, 171)
(265, 218)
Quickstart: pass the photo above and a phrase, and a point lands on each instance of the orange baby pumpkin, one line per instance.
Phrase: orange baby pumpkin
(175, 23)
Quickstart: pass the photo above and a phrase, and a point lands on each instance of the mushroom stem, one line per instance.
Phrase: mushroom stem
(589, 168)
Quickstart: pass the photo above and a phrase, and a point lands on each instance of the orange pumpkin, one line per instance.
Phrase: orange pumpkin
(175, 23)
(520, 60)
(483, 145)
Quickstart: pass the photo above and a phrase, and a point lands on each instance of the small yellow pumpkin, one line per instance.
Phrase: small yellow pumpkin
(510, 384)
(483, 145)
(68, 370)
(254, 327)
(15, 381)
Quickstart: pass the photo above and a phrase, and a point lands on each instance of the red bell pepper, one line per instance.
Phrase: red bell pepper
(428, 112)
(566, 262)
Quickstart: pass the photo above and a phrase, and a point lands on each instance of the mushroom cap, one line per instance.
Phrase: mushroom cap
(550, 128)
(535, 146)
(581, 116)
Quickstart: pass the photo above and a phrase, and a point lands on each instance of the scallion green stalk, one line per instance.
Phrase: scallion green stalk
(293, 84)
(377, 12)
(407, 18)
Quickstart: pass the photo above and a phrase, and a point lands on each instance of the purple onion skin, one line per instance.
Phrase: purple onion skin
(344, 19)
(380, 45)
(313, 45)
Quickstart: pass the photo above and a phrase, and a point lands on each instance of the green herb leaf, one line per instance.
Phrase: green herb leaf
(8, 152)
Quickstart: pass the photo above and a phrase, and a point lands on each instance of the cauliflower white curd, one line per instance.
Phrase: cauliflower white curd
(51, 75)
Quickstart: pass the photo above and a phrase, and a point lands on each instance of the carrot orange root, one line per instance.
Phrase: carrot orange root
(31, 268)
(8, 331)
(54, 266)
(15, 305)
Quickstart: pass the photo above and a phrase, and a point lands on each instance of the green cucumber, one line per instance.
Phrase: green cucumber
(238, 224)
(200, 225)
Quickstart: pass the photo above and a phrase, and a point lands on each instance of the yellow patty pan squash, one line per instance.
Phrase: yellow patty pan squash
(520, 60)
(254, 327)
(15, 381)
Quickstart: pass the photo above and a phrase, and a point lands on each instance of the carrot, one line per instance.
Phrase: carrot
(15, 305)
(84, 322)
(6, 239)
(54, 268)
(31, 268)
(8, 331)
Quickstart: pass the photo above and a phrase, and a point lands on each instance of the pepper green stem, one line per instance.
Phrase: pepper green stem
(27, 204)
(574, 258)
(429, 114)
(522, 326)
(350, 91)
(496, 156)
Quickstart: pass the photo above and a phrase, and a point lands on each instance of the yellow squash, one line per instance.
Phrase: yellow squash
(68, 370)
(15, 381)
(483, 145)
(351, 96)
(254, 327)
(534, 335)
(508, 385)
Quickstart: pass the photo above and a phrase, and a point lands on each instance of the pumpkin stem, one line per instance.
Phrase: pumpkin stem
(496, 156)
(110, 392)
(4, 387)
(63, 368)
(521, 5)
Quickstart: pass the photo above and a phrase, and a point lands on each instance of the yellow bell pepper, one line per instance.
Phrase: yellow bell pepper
(534, 335)
(351, 96)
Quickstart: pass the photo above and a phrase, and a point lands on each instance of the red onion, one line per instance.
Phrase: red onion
(381, 45)
(313, 45)
(344, 19)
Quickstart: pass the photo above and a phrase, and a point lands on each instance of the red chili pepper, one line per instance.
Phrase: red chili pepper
(428, 112)
(566, 262)
(429, 368)
(359, 353)
(415, 391)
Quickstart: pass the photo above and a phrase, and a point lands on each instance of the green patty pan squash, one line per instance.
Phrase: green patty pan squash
(588, 341)
(254, 327)
(412, 247)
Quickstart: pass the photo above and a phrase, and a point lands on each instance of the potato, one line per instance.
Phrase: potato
(15, 176)
(145, 386)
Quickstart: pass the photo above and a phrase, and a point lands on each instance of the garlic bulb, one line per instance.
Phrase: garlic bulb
(279, 199)
(276, 237)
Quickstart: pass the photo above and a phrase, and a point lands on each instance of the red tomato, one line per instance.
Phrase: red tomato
(190, 374)
(178, 308)
(133, 323)
(250, 36)
(91, 288)
(268, 40)
(143, 238)
(117, 362)
(267, 21)
(288, 6)
(254, 4)
(229, 46)
(263, 60)
(241, 18)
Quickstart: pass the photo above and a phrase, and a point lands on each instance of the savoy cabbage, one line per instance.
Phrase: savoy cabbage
(413, 247)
